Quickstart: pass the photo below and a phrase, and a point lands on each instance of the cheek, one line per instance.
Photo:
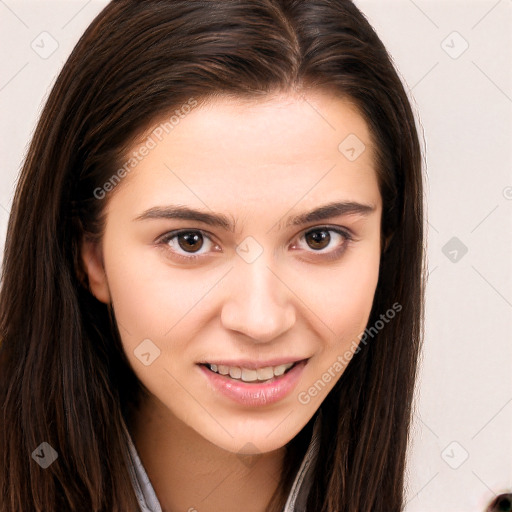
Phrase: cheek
(342, 298)
(355, 296)
(149, 297)
(154, 311)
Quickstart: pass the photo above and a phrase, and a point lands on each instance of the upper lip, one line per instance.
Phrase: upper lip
(252, 364)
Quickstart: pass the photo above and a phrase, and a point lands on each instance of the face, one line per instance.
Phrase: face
(246, 240)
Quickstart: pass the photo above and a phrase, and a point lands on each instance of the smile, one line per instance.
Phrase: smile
(256, 386)
(251, 375)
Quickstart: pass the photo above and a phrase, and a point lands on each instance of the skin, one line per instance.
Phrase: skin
(258, 162)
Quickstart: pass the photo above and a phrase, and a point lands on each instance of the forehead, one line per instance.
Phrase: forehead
(277, 150)
(279, 129)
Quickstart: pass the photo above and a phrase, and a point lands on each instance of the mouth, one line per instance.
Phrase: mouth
(262, 375)
(260, 385)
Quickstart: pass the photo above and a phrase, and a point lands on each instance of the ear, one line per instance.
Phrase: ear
(92, 260)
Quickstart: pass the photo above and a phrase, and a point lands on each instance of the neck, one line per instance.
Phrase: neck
(191, 474)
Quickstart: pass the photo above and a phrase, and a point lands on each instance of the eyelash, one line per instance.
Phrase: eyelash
(346, 235)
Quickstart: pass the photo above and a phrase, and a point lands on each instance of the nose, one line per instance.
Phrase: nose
(259, 303)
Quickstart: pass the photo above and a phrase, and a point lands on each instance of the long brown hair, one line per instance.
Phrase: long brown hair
(64, 378)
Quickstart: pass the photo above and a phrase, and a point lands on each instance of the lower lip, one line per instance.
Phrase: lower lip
(254, 394)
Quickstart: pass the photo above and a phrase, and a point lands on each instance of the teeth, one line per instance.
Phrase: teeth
(246, 375)
(279, 370)
(223, 370)
(235, 373)
(249, 375)
(265, 373)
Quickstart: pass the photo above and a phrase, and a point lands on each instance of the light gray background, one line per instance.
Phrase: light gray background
(461, 449)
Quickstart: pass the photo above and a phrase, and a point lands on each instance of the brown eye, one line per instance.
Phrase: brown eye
(190, 241)
(318, 239)
(188, 245)
(325, 242)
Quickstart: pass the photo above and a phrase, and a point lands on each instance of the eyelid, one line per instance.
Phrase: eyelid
(346, 233)
(175, 232)
(334, 254)
(167, 237)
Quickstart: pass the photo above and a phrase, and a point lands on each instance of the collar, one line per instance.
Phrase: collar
(297, 498)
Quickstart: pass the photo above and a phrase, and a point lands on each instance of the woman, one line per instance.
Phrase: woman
(271, 369)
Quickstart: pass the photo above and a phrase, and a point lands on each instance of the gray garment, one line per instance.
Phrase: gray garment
(296, 501)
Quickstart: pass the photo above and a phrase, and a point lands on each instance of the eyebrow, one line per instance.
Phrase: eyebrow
(219, 220)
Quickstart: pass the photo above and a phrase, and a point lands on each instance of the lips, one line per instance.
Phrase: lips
(252, 364)
(255, 393)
